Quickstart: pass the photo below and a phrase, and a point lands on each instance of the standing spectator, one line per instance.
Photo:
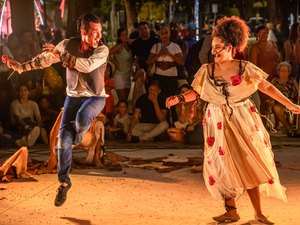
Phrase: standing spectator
(191, 35)
(289, 52)
(265, 55)
(149, 116)
(166, 55)
(134, 34)
(279, 37)
(141, 47)
(174, 37)
(139, 80)
(205, 55)
(25, 117)
(121, 57)
(297, 51)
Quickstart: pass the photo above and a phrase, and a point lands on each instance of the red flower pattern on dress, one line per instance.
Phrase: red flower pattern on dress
(211, 180)
(204, 122)
(208, 113)
(252, 108)
(271, 181)
(221, 152)
(219, 125)
(210, 141)
(236, 80)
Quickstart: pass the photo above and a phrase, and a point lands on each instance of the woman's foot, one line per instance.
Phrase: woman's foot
(227, 217)
(261, 218)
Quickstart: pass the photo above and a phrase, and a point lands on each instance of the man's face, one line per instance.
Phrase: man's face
(153, 90)
(93, 35)
(144, 31)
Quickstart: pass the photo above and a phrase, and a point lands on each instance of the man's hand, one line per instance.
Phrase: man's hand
(152, 96)
(48, 47)
(15, 65)
(68, 60)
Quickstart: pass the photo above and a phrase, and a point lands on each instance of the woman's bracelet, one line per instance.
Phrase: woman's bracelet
(181, 98)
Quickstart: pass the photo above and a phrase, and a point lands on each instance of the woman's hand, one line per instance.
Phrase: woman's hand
(173, 100)
(51, 48)
(295, 109)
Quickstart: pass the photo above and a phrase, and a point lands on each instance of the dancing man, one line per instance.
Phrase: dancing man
(85, 58)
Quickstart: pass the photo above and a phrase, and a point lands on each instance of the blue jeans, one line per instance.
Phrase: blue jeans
(77, 116)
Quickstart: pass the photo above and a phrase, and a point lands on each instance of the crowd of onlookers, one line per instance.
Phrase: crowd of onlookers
(143, 69)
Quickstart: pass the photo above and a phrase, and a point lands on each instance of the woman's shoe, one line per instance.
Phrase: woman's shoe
(261, 218)
(226, 218)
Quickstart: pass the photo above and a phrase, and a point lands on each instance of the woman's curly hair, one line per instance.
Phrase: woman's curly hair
(234, 31)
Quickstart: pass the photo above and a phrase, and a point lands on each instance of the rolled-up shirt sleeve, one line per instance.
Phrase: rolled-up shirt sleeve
(99, 57)
(45, 59)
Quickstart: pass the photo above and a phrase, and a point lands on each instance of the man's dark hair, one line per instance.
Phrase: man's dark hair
(84, 21)
(143, 23)
(155, 83)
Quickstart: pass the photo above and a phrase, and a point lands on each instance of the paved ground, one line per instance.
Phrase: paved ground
(140, 196)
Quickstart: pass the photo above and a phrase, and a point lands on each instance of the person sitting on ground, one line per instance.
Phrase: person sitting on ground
(149, 116)
(189, 120)
(109, 107)
(48, 116)
(288, 86)
(122, 120)
(25, 117)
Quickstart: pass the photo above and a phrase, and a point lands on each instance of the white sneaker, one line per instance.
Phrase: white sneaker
(33, 136)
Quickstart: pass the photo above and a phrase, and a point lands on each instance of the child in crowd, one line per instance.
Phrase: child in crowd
(122, 120)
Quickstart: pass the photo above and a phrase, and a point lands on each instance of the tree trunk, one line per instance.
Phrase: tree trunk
(131, 15)
(22, 17)
(273, 11)
(75, 9)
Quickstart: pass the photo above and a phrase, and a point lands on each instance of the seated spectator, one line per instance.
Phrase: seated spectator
(122, 120)
(188, 127)
(289, 87)
(149, 116)
(109, 107)
(48, 117)
(25, 117)
(28, 49)
(6, 139)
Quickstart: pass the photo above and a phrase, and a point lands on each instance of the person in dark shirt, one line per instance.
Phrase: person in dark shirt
(149, 116)
(141, 47)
